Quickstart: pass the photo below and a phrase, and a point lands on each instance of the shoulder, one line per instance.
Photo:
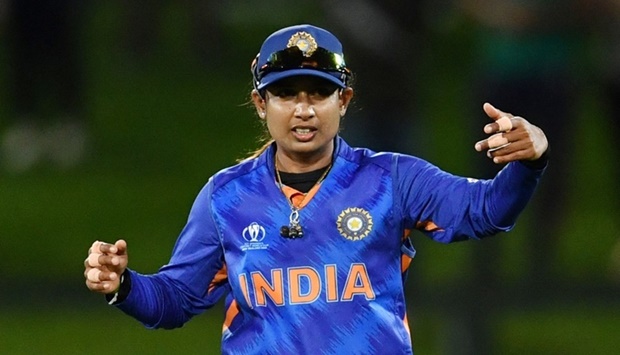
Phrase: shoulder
(244, 168)
(226, 181)
(389, 161)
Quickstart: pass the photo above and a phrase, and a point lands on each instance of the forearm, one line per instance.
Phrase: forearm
(154, 301)
(511, 190)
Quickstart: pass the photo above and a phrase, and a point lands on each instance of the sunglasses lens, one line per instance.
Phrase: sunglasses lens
(294, 58)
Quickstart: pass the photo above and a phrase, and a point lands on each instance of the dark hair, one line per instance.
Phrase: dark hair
(253, 155)
(264, 139)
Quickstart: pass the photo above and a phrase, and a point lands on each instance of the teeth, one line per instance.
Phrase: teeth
(302, 130)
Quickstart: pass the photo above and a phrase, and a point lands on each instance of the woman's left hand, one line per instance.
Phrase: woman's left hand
(512, 138)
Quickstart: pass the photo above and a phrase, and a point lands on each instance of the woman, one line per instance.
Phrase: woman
(322, 269)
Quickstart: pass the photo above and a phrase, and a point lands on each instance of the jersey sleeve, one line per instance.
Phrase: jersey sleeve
(191, 281)
(450, 208)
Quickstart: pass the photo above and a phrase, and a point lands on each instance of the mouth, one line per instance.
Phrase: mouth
(304, 134)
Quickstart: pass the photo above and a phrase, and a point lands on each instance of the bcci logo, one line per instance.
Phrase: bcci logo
(354, 223)
(254, 235)
(304, 41)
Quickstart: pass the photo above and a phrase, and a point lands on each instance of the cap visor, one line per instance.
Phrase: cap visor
(279, 75)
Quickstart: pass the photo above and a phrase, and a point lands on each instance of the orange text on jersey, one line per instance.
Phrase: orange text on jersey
(304, 284)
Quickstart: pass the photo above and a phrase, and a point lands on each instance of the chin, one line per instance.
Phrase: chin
(310, 148)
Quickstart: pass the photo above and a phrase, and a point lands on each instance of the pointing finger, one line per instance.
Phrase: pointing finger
(493, 112)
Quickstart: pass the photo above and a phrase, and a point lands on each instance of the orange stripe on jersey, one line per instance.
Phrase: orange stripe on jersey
(406, 322)
(231, 313)
(406, 234)
(299, 199)
(220, 276)
(405, 261)
(428, 226)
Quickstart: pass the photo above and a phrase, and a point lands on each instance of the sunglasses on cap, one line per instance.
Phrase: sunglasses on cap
(294, 58)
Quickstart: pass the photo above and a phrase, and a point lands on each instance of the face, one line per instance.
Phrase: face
(303, 115)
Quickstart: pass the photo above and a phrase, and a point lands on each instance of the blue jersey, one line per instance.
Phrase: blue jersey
(339, 289)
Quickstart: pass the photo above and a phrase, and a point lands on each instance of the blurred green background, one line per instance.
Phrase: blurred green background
(161, 120)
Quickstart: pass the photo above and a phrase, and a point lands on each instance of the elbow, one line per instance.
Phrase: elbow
(167, 320)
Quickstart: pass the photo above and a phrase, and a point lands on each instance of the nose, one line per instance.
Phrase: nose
(303, 107)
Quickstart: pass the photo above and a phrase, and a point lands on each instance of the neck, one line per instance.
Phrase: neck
(300, 164)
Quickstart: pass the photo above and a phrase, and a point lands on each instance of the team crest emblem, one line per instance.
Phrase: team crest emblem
(354, 223)
(304, 41)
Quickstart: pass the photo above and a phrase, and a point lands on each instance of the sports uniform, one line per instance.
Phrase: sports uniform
(339, 288)
(313, 259)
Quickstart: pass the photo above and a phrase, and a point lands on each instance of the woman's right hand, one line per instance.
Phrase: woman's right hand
(104, 265)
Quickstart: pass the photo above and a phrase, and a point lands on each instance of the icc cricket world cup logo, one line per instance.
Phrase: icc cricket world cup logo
(254, 233)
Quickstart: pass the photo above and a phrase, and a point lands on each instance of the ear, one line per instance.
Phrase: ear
(345, 97)
(259, 104)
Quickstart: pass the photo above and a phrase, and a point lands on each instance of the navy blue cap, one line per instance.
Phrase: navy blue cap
(307, 38)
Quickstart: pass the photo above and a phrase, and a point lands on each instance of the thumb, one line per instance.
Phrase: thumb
(493, 112)
(121, 247)
(121, 256)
